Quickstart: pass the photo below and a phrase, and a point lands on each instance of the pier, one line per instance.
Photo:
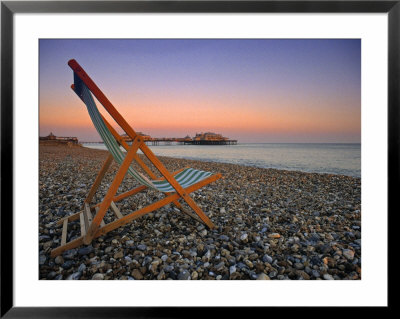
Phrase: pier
(164, 140)
(200, 139)
(215, 142)
(101, 142)
(182, 141)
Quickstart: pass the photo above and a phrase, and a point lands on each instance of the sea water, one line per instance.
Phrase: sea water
(342, 159)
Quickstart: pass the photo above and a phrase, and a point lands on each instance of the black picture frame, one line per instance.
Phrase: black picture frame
(9, 8)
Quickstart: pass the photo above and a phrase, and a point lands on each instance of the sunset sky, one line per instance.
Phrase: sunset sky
(250, 90)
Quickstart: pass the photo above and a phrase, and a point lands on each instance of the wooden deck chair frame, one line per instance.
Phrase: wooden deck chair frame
(93, 227)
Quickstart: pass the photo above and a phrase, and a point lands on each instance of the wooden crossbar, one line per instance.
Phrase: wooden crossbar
(116, 210)
(83, 224)
(64, 233)
(102, 221)
(129, 193)
(88, 215)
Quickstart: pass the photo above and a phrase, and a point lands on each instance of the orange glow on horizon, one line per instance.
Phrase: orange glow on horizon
(154, 114)
(203, 118)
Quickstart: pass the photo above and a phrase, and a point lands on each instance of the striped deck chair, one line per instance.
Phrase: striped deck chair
(175, 186)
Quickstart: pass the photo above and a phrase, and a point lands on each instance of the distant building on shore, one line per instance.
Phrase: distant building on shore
(209, 136)
(62, 139)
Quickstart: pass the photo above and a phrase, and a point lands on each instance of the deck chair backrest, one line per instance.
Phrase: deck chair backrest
(109, 141)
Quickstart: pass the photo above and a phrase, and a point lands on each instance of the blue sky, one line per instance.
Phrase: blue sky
(250, 90)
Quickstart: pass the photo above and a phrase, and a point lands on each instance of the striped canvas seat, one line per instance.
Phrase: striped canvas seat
(185, 178)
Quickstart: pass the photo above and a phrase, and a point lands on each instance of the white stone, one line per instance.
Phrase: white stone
(262, 276)
(98, 276)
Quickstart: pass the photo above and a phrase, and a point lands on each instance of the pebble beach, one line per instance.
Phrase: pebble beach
(270, 224)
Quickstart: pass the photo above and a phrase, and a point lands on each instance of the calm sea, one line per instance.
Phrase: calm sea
(343, 159)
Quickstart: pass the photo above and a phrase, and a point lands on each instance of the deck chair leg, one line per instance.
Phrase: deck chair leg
(111, 191)
(186, 212)
(198, 210)
(70, 245)
(99, 178)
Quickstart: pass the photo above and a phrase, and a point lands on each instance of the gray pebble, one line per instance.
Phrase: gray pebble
(184, 275)
(328, 277)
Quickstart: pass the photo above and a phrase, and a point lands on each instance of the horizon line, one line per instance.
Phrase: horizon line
(265, 142)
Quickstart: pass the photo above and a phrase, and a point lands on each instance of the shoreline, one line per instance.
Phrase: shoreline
(270, 224)
(244, 165)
